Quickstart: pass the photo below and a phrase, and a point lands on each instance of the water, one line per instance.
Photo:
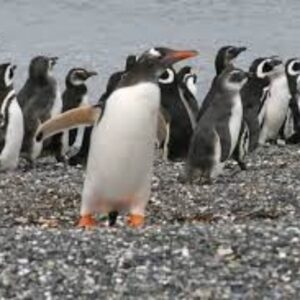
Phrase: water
(99, 34)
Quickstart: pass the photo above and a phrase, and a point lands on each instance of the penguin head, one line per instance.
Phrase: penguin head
(233, 80)
(292, 67)
(7, 72)
(266, 67)
(78, 76)
(225, 57)
(187, 78)
(41, 67)
(156, 60)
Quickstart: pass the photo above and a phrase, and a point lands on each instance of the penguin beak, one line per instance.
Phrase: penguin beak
(276, 61)
(91, 73)
(173, 56)
(238, 50)
(53, 60)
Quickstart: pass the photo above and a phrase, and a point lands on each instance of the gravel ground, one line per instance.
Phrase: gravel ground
(236, 239)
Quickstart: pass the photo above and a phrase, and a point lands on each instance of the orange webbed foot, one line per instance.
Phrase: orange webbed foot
(87, 222)
(136, 221)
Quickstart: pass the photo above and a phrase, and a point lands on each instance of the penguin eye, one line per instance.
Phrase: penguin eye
(296, 66)
(267, 67)
(166, 77)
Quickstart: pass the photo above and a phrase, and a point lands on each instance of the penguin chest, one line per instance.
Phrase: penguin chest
(277, 106)
(235, 121)
(57, 104)
(122, 145)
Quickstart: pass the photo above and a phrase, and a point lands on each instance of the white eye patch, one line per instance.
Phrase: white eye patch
(154, 52)
(260, 73)
(290, 69)
(168, 77)
(8, 77)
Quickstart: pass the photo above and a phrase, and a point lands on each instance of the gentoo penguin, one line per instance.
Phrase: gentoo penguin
(290, 130)
(114, 79)
(39, 100)
(276, 104)
(121, 155)
(182, 108)
(224, 59)
(217, 131)
(75, 95)
(11, 120)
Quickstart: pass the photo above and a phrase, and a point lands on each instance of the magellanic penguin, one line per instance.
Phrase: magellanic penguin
(112, 83)
(224, 59)
(11, 120)
(182, 108)
(120, 161)
(276, 104)
(290, 131)
(39, 100)
(217, 131)
(75, 95)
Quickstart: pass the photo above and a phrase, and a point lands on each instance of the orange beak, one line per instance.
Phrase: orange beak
(174, 56)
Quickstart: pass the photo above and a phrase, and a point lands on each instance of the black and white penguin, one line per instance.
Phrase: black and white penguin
(290, 131)
(74, 95)
(39, 100)
(217, 131)
(112, 83)
(254, 94)
(11, 120)
(127, 129)
(188, 80)
(276, 104)
(182, 108)
(224, 59)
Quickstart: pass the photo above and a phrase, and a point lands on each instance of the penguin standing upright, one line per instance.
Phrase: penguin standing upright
(217, 131)
(114, 79)
(11, 120)
(276, 104)
(254, 94)
(224, 59)
(75, 95)
(120, 161)
(39, 100)
(182, 108)
(290, 130)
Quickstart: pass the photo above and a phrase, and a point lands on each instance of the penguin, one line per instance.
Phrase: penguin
(114, 79)
(276, 104)
(224, 59)
(182, 107)
(39, 100)
(254, 94)
(74, 95)
(290, 131)
(188, 80)
(217, 131)
(121, 155)
(11, 120)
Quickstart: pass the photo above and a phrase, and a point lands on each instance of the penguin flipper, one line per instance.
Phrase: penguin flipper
(84, 115)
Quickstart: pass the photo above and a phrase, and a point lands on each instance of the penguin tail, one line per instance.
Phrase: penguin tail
(84, 115)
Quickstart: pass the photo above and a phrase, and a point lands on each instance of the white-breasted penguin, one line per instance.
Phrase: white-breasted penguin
(121, 155)
(217, 131)
(182, 108)
(39, 100)
(276, 104)
(254, 95)
(11, 120)
(75, 95)
(112, 83)
(290, 131)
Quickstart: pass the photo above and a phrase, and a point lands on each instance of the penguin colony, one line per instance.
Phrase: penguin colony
(149, 104)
